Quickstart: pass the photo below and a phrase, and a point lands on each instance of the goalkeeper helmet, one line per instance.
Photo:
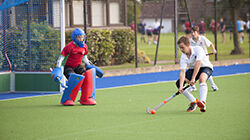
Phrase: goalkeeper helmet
(78, 32)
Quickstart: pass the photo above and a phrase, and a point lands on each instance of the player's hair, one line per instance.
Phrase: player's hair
(184, 40)
(195, 28)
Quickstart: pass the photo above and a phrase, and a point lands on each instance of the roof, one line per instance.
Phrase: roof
(152, 9)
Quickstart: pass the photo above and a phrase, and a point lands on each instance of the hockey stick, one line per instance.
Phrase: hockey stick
(61, 83)
(209, 54)
(152, 111)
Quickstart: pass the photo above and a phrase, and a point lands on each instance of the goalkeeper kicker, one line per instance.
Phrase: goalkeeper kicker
(79, 75)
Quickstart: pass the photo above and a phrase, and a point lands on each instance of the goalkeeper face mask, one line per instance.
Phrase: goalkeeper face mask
(78, 36)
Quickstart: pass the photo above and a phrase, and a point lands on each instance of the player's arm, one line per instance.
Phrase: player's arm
(89, 65)
(57, 73)
(210, 44)
(213, 48)
(181, 81)
(59, 61)
(182, 75)
(86, 60)
(224, 27)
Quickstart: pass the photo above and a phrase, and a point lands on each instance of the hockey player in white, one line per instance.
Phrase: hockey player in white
(204, 43)
(199, 68)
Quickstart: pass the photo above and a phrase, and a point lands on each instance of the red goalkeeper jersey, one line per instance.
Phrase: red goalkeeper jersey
(75, 54)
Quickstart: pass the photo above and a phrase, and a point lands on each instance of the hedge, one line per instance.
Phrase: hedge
(41, 55)
(109, 47)
(106, 47)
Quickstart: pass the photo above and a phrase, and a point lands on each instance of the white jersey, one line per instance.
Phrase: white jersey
(197, 53)
(243, 23)
(202, 42)
(156, 25)
(248, 24)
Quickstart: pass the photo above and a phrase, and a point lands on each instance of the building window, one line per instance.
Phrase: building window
(78, 12)
(98, 11)
(114, 13)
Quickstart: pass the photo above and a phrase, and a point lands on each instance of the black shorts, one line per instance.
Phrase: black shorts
(80, 69)
(149, 33)
(248, 31)
(142, 31)
(156, 31)
(189, 74)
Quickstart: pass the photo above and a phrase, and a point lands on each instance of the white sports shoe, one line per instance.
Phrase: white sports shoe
(192, 88)
(215, 88)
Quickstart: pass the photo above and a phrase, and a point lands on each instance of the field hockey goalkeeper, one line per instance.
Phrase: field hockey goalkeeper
(78, 75)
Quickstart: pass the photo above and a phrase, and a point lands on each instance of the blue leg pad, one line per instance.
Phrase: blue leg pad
(74, 83)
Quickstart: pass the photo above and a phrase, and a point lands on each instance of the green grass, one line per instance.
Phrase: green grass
(166, 47)
(120, 115)
(166, 50)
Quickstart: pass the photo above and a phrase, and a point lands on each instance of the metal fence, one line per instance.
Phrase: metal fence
(186, 14)
(30, 32)
(30, 36)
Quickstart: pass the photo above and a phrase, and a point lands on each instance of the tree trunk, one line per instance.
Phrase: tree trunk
(237, 49)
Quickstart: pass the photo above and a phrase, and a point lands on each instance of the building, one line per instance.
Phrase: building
(99, 13)
(151, 10)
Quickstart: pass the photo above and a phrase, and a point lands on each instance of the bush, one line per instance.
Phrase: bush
(142, 57)
(101, 46)
(43, 51)
(124, 46)
(108, 47)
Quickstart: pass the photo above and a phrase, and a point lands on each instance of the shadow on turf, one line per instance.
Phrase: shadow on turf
(51, 106)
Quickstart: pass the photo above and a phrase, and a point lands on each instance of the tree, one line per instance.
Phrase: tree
(237, 49)
(234, 7)
(131, 11)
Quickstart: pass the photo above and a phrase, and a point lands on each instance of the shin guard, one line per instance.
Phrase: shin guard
(203, 92)
(74, 84)
(88, 86)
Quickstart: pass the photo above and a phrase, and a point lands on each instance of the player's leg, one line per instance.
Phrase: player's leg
(74, 84)
(205, 73)
(189, 74)
(88, 88)
(143, 36)
(213, 85)
(187, 92)
(69, 94)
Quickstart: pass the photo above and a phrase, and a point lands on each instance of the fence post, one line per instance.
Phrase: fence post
(215, 34)
(84, 17)
(157, 46)
(29, 18)
(62, 14)
(136, 65)
(175, 32)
